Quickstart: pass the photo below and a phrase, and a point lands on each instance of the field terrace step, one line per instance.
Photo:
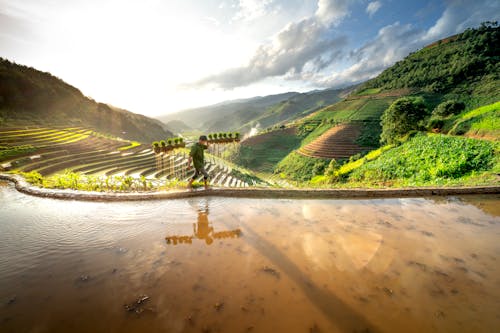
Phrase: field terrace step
(59, 136)
(74, 160)
(34, 131)
(107, 161)
(63, 149)
(59, 156)
(338, 142)
(43, 134)
(123, 167)
(135, 172)
(148, 172)
(13, 130)
(23, 136)
(90, 149)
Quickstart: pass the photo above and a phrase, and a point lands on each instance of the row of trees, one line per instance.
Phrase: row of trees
(168, 145)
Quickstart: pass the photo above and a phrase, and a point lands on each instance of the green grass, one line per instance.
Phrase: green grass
(132, 144)
(301, 168)
(431, 160)
(369, 91)
(481, 122)
(9, 152)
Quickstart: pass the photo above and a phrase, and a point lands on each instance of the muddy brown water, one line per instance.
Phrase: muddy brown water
(249, 265)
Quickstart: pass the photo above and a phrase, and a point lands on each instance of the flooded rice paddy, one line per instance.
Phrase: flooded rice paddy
(249, 265)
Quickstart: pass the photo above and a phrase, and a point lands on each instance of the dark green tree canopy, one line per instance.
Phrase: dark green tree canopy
(448, 108)
(403, 116)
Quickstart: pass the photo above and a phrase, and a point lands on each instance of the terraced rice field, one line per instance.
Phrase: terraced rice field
(55, 150)
(339, 142)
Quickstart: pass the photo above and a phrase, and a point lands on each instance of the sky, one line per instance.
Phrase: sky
(155, 57)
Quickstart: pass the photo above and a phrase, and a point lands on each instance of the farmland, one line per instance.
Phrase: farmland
(80, 158)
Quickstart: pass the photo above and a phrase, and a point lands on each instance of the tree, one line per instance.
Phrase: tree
(404, 115)
(448, 108)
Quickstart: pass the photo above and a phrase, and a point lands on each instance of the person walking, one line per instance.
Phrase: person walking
(197, 156)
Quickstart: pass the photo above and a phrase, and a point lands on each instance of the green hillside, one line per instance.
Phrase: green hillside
(262, 112)
(32, 97)
(294, 108)
(462, 69)
(229, 115)
(177, 126)
(463, 65)
(431, 159)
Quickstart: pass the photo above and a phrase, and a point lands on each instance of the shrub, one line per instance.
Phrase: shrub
(435, 123)
(448, 108)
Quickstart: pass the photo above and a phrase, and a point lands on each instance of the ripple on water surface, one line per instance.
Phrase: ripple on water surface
(249, 265)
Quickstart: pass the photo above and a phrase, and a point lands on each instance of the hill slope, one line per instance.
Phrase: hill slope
(29, 96)
(464, 68)
(260, 112)
(467, 63)
(227, 115)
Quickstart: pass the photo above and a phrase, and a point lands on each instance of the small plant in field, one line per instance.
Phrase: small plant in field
(34, 178)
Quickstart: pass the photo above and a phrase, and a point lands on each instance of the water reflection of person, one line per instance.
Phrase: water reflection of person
(202, 229)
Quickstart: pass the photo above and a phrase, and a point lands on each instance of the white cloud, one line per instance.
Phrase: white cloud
(462, 14)
(332, 11)
(299, 50)
(250, 10)
(373, 7)
(394, 42)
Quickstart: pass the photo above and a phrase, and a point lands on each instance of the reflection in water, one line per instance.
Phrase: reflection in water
(295, 266)
(202, 229)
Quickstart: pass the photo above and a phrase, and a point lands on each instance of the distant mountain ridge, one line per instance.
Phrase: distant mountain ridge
(31, 97)
(259, 111)
(230, 114)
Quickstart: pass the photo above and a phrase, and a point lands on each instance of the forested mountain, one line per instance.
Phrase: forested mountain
(465, 63)
(32, 97)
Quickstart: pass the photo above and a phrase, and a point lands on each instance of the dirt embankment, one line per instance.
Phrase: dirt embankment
(22, 186)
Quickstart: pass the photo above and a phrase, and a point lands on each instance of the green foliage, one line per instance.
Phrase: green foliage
(133, 144)
(79, 181)
(8, 152)
(483, 121)
(369, 91)
(427, 159)
(301, 168)
(403, 116)
(336, 171)
(34, 178)
(462, 63)
(448, 108)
